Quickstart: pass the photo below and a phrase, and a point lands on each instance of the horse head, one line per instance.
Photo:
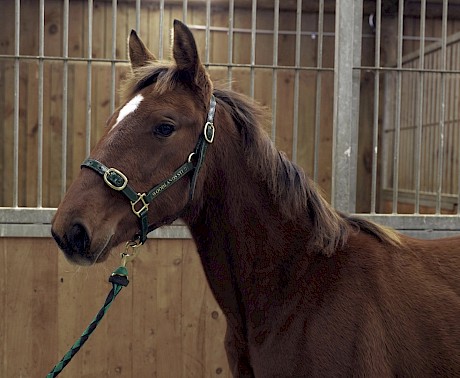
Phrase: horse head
(156, 138)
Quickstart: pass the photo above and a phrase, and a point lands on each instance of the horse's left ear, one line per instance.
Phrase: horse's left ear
(139, 55)
(185, 54)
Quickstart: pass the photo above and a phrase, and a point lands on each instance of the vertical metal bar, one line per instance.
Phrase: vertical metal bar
(319, 65)
(65, 94)
(160, 32)
(298, 29)
(114, 56)
(375, 134)
(355, 92)
(344, 147)
(418, 137)
(231, 15)
(253, 45)
(41, 53)
(184, 11)
(442, 107)
(276, 25)
(208, 32)
(17, 30)
(88, 77)
(397, 132)
(456, 114)
(138, 15)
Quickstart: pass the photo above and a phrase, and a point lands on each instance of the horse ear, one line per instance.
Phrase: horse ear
(185, 53)
(139, 55)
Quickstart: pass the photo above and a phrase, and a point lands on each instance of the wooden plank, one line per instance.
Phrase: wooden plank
(30, 306)
(29, 176)
(215, 359)
(77, 41)
(6, 131)
(144, 321)
(54, 127)
(102, 30)
(3, 309)
(101, 99)
(47, 143)
(168, 315)
(193, 296)
(77, 112)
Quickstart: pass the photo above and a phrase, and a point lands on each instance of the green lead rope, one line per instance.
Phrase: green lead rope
(119, 279)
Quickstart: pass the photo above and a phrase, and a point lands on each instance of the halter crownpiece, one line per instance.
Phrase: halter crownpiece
(140, 202)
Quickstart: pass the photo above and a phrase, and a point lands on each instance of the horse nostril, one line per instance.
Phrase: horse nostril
(78, 238)
(58, 239)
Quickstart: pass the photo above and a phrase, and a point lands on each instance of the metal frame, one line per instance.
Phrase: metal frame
(35, 222)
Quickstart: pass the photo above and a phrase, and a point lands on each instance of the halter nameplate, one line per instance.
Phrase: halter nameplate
(116, 180)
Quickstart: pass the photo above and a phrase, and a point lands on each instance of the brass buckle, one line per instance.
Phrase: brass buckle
(145, 204)
(112, 178)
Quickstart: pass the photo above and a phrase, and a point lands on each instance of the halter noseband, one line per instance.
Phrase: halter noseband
(140, 201)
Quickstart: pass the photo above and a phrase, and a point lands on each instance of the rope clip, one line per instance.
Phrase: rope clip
(130, 252)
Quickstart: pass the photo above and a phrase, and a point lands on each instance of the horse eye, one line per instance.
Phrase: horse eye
(164, 129)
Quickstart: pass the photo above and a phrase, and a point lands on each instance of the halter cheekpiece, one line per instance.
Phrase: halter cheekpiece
(116, 180)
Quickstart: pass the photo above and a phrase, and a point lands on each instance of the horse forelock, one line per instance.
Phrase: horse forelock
(294, 192)
(166, 77)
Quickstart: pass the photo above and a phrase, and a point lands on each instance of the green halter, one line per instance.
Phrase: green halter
(140, 201)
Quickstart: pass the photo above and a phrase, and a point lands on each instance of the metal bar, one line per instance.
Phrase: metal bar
(88, 77)
(207, 34)
(17, 30)
(253, 46)
(65, 95)
(418, 138)
(138, 15)
(113, 56)
(416, 222)
(160, 33)
(442, 106)
(319, 65)
(355, 92)
(397, 134)
(375, 133)
(16, 221)
(184, 11)
(233, 65)
(41, 53)
(343, 149)
(295, 129)
(231, 11)
(276, 25)
(406, 69)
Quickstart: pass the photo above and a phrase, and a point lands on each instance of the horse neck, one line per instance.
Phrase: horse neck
(247, 245)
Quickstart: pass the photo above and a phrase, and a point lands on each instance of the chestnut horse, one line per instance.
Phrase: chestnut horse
(306, 291)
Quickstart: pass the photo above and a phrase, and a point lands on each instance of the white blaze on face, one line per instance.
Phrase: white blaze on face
(130, 107)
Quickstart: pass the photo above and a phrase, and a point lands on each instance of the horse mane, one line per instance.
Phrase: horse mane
(291, 189)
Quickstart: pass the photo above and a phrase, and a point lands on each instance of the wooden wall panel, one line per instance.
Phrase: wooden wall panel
(165, 323)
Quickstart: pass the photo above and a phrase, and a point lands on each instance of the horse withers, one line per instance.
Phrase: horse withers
(306, 291)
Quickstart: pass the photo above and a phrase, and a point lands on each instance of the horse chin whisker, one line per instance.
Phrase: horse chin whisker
(103, 250)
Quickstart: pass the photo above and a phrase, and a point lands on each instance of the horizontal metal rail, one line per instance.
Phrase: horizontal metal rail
(29, 222)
